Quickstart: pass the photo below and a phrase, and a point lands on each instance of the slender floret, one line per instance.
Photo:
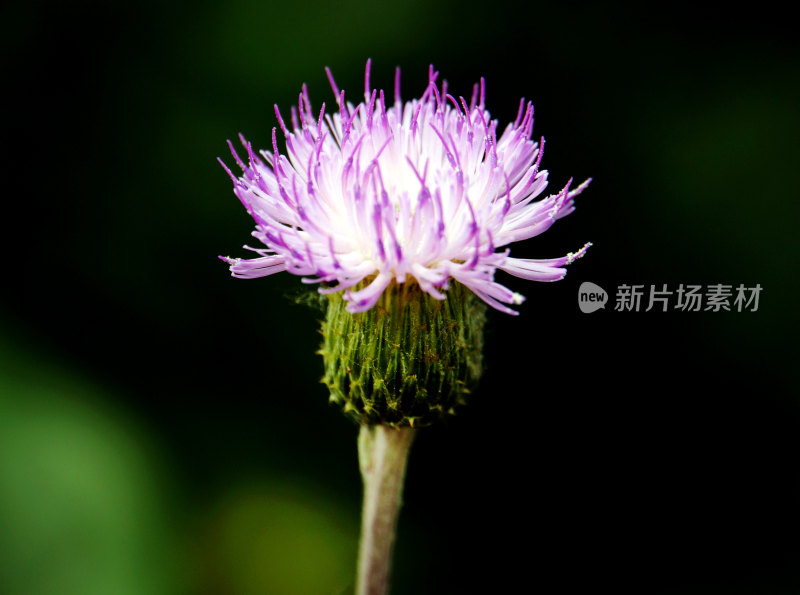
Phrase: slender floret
(376, 193)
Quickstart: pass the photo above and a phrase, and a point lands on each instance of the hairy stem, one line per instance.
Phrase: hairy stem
(382, 454)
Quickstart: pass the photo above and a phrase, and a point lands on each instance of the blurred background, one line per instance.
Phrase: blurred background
(162, 427)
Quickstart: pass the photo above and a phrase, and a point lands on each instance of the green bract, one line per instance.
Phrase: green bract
(409, 361)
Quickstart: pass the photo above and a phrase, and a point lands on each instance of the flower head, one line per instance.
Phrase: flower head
(422, 190)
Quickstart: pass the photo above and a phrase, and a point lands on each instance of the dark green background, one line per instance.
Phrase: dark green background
(162, 428)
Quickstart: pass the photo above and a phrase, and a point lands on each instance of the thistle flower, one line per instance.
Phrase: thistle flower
(422, 190)
(384, 206)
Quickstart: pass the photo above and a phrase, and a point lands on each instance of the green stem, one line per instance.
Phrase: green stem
(382, 454)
